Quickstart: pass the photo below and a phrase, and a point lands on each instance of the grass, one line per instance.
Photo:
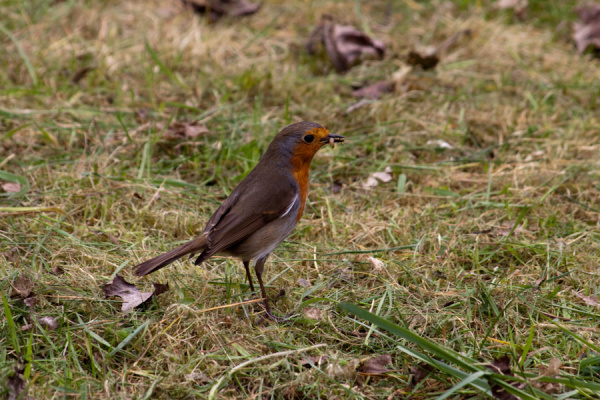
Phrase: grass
(483, 245)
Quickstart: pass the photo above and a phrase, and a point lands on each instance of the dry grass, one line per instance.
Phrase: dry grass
(516, 103)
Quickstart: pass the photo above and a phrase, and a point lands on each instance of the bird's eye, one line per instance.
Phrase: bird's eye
(308, 138)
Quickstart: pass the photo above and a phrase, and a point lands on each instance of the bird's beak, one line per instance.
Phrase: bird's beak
(331, 139)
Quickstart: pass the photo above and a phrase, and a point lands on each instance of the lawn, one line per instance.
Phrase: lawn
(123, 126)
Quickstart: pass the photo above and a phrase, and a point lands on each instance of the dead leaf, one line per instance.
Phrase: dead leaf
(552, 370)
(375, 177)
(345, 45)
(309, 361)
(519, 7)
(57, 271)
(221, 8)
(17, 385)
(429, 57)
(11, 187)
(49, 322)
(31, 301)
(586, 32)
(184, 130)
(375, 365)
(304, 283)
(442, 144)
(80, 74)
(130, 294)
(502, 366)
(336, 370)
(197, 377)
(313, 313)
(589, 300)
(419, 372)
(426, 60)
(376, 264)
(375, 90)
(23, 287)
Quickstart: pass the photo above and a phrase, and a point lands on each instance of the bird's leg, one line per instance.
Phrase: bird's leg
(247, 267)
(259, 267)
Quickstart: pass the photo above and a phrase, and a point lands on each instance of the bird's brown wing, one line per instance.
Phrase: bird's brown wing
(246, 213)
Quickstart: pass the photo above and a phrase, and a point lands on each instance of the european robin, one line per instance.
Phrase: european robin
(262, 210)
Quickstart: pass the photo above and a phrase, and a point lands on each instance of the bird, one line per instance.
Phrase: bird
(262, 210)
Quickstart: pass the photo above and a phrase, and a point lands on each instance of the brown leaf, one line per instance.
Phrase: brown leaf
(130, 294)
(48, 322)
(377, 264)
(430, 57)
(375, 90)
(502, 366)
(11, 187)
(23, 287)
(423, 60)
(345, 45)
(31, 301)
(220, 8)
(57, 271)
(309, 361)
(185, 130)
(80, 74)
(304, 283)
(313, 313)
(419, 372)
(375, 365)
(589, 300)
(586, 32)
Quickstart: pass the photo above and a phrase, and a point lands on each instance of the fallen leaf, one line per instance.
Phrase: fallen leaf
(17, 385)
(309, 361)
(337, 371)
(23, 287)
(80, 74)
(429, 57)
(356, 106)
(426, 59)
(221, 8)
(419, 372)
(49, 322)
(345, 45)
(518, 6)
(304, 283)
(553, 368)
(375, 263)
(502, 366)
(375, 365)
(375, 90)
(184, 130)
(11, 187)
(57, 271)
(439, 143)
(197, 377)
(130, 294)
(589, 300)
(31, 301)
(586, 32)
(374, 179)
(313, 313)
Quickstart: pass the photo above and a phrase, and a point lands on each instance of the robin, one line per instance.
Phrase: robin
(262, 210)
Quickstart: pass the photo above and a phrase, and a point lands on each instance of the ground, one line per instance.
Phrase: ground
(486, 240)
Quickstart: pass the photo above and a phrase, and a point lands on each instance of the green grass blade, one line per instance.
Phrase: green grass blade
(128, 339)
(11, 325)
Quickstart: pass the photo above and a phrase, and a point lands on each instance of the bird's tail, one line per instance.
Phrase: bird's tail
(193, 246)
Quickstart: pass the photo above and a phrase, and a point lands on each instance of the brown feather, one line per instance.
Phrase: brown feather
(165, 259)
